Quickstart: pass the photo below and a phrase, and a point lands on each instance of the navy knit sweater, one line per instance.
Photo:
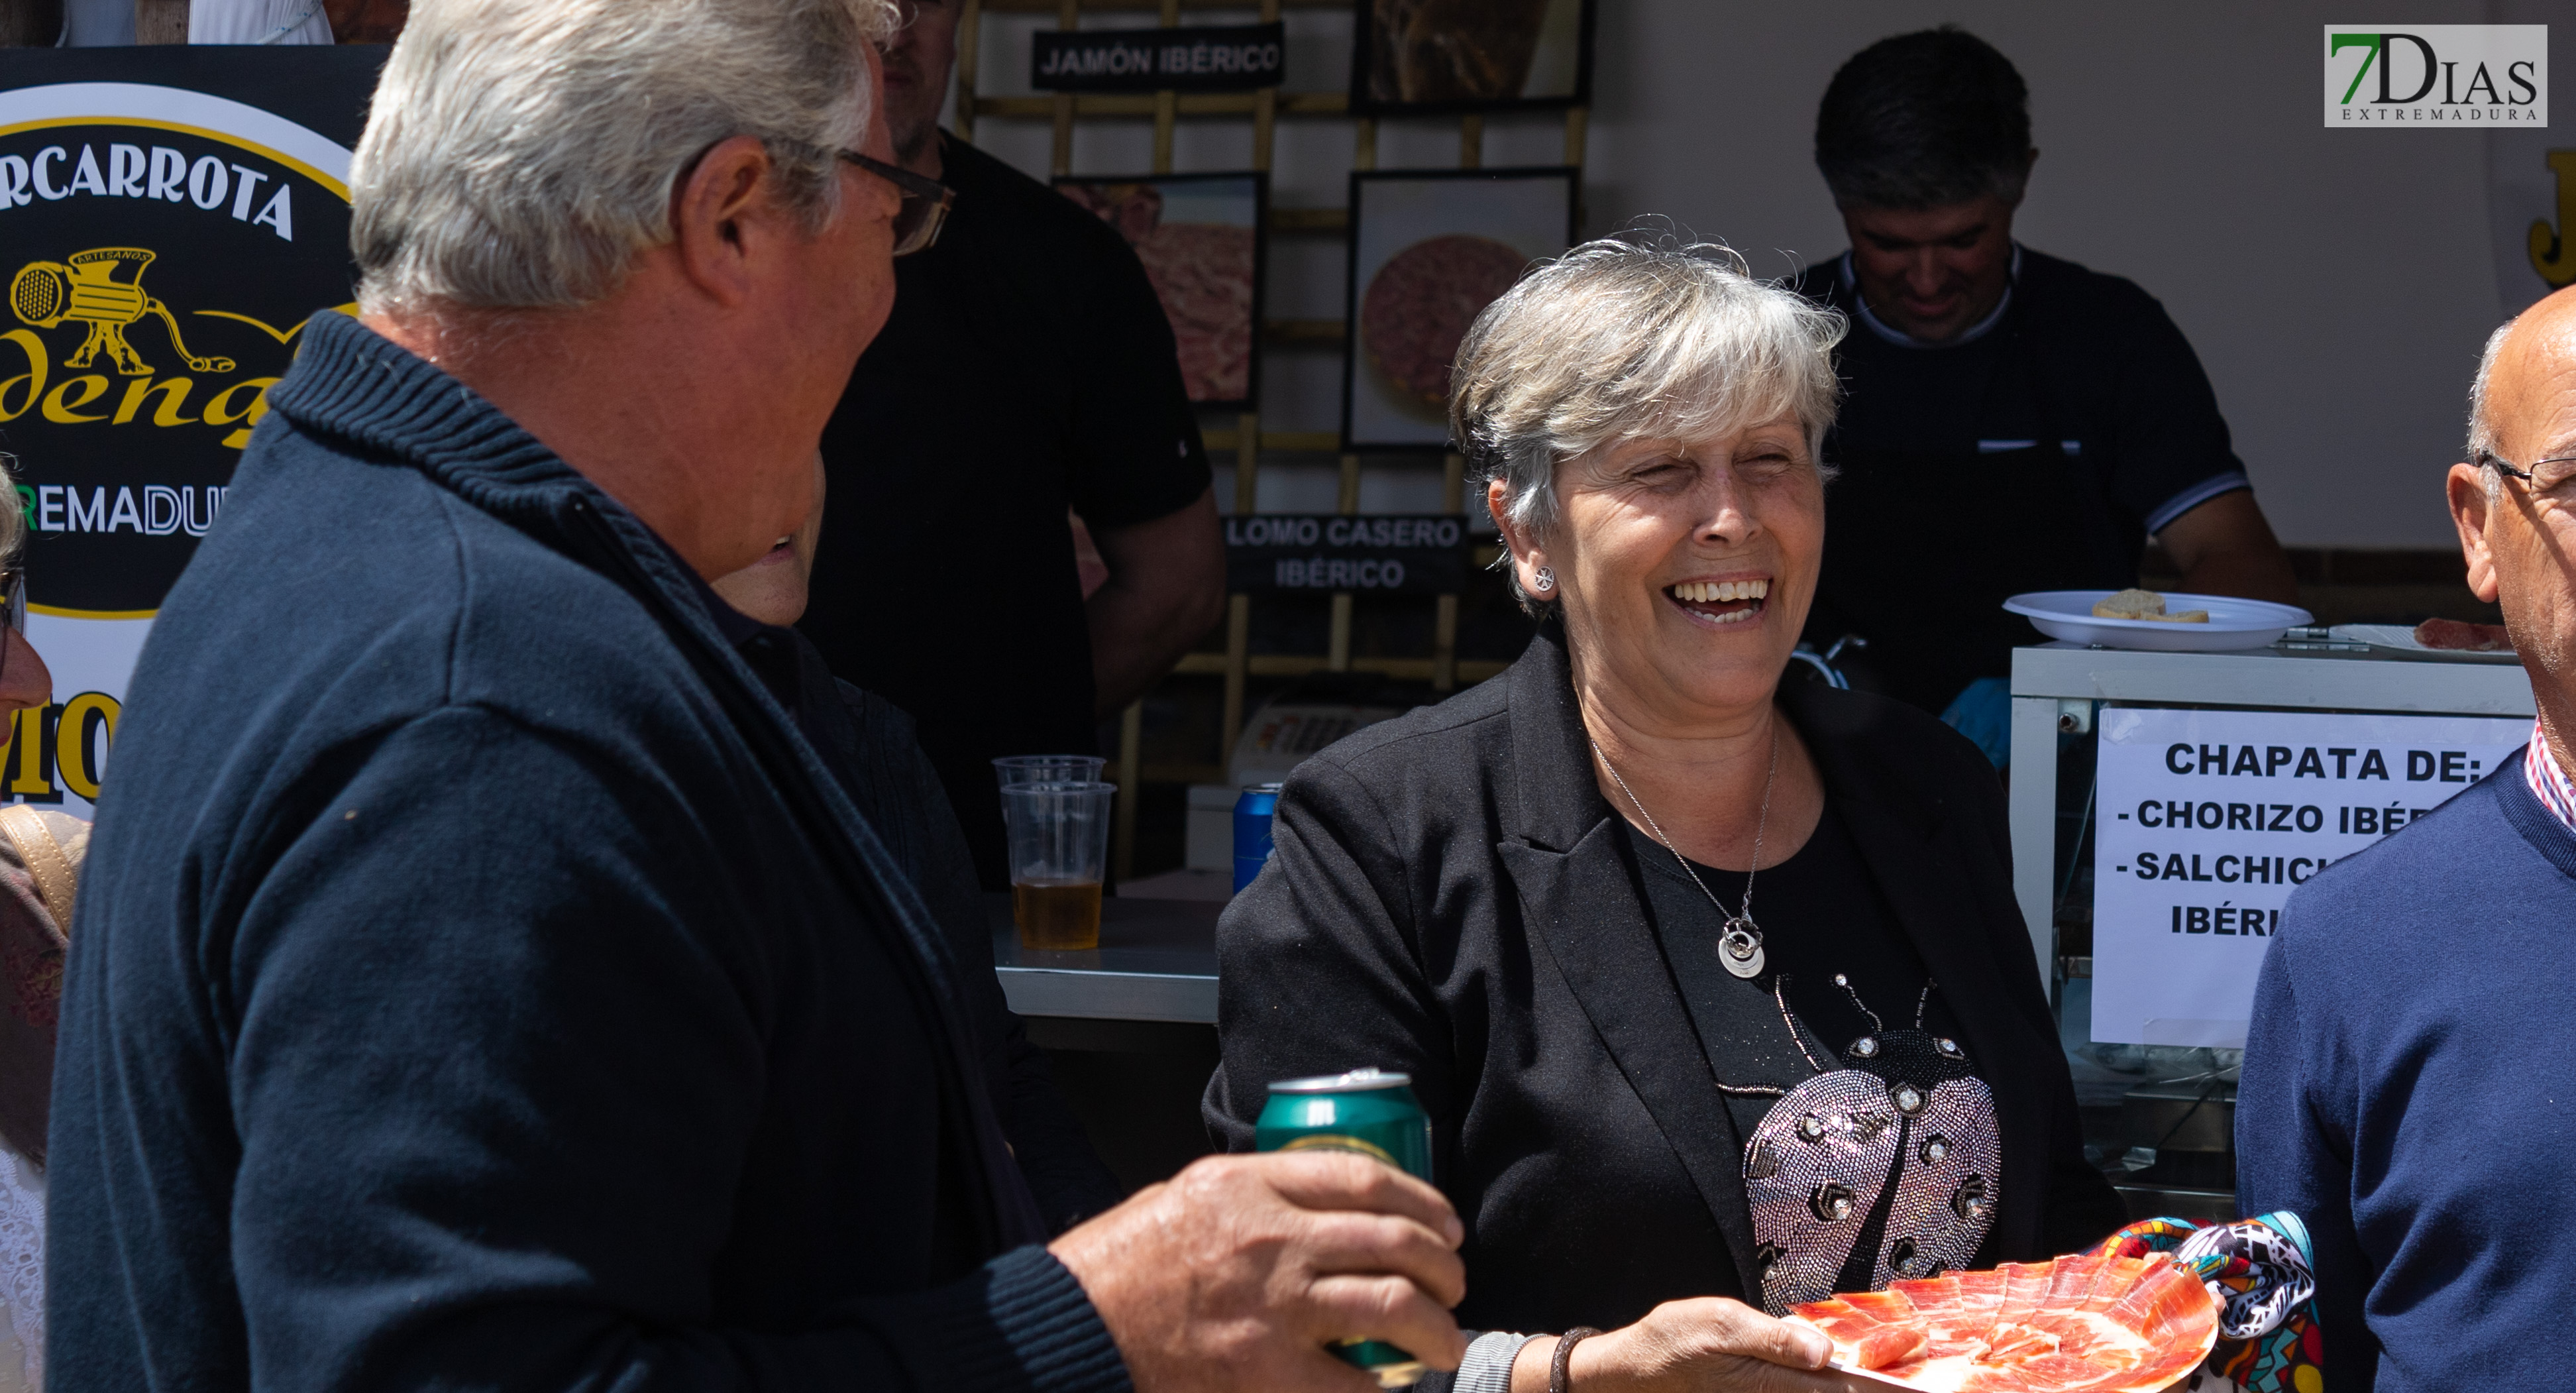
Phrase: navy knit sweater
(480, 983)
(2410, 1091)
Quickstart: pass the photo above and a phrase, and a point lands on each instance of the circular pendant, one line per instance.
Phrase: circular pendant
(1739, 948)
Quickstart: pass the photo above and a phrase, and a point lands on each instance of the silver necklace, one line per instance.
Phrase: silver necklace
(1739, 943)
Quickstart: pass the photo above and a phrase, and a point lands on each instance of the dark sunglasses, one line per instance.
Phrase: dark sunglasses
(925, 202)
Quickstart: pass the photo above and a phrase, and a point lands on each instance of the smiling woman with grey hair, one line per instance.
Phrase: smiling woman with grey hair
(1713, 986)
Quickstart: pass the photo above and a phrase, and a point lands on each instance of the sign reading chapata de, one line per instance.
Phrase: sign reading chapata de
(2207, 820)
(164, 235)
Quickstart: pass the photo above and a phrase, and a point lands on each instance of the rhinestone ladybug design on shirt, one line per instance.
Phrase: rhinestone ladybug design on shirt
(1905, 1110)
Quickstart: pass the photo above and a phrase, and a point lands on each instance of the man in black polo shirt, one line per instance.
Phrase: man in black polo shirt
(1027, 369)
(2013, 422)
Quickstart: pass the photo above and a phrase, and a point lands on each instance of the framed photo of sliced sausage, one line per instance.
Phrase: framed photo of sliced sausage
(1420, 56)
(1429, 250)
(1203, 241)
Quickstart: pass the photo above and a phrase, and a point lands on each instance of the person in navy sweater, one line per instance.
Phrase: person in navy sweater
(2406, 1089)
(486, 982)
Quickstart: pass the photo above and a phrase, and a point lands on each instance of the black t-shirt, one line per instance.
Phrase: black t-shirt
(1027, 369)
(2087, 360)
(1821, 915)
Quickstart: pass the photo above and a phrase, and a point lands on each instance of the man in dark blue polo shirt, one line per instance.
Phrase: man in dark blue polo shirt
(2012, 422)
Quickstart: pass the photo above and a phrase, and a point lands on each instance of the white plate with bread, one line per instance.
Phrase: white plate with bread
(2158, 623)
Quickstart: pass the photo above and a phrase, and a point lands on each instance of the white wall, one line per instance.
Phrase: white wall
(2336, 283)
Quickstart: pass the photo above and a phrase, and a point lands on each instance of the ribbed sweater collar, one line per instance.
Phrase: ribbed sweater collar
(353, 384)
(2539, 827)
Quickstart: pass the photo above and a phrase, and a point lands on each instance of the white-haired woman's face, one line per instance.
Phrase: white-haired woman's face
(1686, 567)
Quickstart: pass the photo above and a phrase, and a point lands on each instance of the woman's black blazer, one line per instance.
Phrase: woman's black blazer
(1451, 898)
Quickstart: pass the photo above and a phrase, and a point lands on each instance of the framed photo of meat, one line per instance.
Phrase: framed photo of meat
(1422, 56)
(1429, 250)
(1202, 239)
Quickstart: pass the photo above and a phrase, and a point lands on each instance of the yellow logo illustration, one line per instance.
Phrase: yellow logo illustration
(84, 289)
(2553, 249)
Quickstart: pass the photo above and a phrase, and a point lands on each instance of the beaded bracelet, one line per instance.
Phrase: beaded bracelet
(1558, 1380)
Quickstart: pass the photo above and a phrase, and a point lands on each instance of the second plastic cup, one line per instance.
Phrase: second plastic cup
(1048, 769)
(1058, 835)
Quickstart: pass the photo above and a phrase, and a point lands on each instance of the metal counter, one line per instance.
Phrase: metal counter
(1156, 962)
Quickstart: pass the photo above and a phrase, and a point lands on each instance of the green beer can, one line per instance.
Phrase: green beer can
(1375, 1114)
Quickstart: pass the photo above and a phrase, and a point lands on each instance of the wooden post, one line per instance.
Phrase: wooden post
(1444, 630)
(970, 30)
(30, 23)
(160, 21)
(1337, 654)
(1068, 15)
(1131, 786)
(1167, 103)
(1238, 663)
(1471, 140)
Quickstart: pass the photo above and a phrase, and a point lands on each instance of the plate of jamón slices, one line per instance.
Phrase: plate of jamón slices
(2435, 640)
(2074, 1325)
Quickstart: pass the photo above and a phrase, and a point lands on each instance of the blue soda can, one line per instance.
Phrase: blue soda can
(1252, 813)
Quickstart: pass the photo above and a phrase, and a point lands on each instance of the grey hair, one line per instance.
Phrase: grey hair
(518, 153)
(2482, 436)
(1642, 336)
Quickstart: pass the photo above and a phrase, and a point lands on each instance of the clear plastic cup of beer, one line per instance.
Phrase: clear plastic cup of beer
(1058, 836)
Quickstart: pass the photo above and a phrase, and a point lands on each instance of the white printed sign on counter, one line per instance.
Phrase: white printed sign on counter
(2207, 820)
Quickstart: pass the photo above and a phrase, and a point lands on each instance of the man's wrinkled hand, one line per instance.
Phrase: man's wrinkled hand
(1237, 1272)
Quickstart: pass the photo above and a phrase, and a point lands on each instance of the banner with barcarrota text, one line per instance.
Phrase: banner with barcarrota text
(169, 218)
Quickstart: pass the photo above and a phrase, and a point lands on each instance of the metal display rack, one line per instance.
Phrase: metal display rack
(1247, 440)
(2060, 689)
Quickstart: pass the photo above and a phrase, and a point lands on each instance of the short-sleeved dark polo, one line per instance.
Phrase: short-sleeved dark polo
(2114, 373)
(1027, 369)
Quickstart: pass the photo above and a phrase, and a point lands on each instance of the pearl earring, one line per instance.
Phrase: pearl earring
(1544, 581)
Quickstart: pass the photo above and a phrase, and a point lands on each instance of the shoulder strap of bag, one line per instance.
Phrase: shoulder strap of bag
(56, 884)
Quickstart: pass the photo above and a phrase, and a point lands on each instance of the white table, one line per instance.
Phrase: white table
(1156, 962)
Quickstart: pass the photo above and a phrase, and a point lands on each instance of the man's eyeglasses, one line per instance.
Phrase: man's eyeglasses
(925, 203)
(2549, 477)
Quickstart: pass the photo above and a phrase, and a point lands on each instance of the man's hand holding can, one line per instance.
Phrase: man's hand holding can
(1239, 1272)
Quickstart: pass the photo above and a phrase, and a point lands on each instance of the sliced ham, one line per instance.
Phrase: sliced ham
(2076, 1325)
(2452, 635)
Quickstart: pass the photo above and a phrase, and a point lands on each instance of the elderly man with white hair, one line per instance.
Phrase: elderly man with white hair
(486, 984)
(2406, 1087)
